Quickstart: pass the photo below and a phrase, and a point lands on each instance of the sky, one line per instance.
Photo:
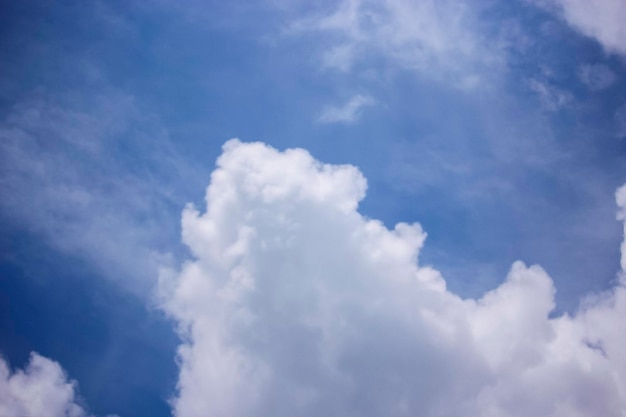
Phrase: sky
(341, 208)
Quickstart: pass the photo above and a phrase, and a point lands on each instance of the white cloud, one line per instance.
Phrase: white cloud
(348, 112)
(438, 39)
(596, 77)
(40, 390)
(602, 20)
(295, 304)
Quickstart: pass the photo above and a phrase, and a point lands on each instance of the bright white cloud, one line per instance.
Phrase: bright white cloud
(295, 304)
(40, 390)
(596, 77)
(602, 20)
(348, 112)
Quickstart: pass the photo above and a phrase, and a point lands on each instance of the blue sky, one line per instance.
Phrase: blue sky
(499, 127)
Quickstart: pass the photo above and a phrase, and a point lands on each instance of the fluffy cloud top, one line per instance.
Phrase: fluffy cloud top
(296, 304)
(40, 390)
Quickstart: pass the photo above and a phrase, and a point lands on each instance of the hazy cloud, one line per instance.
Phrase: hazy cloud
(596, 77)
(620, 121)
(439, 39)
(602, 20)
(81, 173)
(295, 304)
(551, 97)
(348, 112)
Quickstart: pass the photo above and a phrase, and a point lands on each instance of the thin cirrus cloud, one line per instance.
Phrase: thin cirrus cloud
(348, 112)
(551, 97)
(41, 389)
(439, 40)
(67, 177)
(596, 77)
(296, 304)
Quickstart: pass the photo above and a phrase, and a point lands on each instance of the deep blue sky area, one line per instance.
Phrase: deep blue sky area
(56, 305)
(504, 136)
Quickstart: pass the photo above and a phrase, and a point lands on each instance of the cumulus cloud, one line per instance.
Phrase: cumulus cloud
(348, 112)
(296, 304)
(602, 20)
(40, 390)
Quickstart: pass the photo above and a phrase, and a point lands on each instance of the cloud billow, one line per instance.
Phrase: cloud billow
(40, 390)
(296, 304)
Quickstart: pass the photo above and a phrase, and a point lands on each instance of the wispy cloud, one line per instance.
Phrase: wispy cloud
(82, 175)
(596, 77)
(348, 112)
(439, 40)
(551, 97)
